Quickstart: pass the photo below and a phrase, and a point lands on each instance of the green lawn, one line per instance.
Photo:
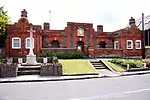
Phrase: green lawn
(114, 66)
(77, 67)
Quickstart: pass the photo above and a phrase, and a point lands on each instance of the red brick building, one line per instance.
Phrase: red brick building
(75, 37)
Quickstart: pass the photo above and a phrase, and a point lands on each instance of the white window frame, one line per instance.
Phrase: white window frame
(28, 47)
(139, 42)
(131, 44)
(116, 45)
(13, 47)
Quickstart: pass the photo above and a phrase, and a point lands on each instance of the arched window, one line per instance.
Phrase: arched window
(116, 45)
(55, 44)
(102, 44)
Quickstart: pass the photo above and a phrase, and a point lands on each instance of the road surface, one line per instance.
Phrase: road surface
(136, 87)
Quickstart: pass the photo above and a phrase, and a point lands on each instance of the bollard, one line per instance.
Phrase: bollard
(20, 60)
(128, 66)
(45, 60)
(144, 65)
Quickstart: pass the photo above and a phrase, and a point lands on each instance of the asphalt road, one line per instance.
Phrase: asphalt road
(135, 87)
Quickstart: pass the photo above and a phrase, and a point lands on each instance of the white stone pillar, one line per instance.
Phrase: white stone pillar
(20, 60)
(44, 60)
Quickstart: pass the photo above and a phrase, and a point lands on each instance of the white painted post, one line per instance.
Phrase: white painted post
(45, 60)
(19, 60)
(128, 66)
(144, 65)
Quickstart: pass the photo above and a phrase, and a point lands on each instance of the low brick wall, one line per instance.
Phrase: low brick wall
(8, 70)
(51, 70)
(57, 50)
(46, 70)
(106, 52)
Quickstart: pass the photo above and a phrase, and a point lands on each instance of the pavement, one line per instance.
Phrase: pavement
(134, 87)
(37, 78)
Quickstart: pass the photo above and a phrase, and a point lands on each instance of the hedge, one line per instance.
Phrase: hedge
(63, 55)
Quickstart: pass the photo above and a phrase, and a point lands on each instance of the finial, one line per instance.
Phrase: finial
(24, 13)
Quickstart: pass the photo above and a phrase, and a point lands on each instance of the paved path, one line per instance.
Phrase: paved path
(136, 87)
(107, 72)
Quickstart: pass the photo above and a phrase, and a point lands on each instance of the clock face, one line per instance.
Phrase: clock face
(80, 32)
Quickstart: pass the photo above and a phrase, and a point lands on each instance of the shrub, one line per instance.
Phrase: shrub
(132, 63)
(114, 60)
(1, 61)
(119, 61)
(124, 63)
(63, 55)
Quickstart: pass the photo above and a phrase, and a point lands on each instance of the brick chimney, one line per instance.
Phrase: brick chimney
(46, 26)
(100, 28)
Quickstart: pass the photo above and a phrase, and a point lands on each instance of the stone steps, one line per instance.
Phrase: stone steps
(98, 64)
(99, 67)
(29, 71)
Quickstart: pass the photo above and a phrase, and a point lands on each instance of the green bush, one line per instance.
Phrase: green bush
(1, 61)
(124, 63)
(132, 63)
(63, 55)
(114, 60)
(119, 61)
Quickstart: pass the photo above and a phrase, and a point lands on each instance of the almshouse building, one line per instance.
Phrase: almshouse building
(81, 37)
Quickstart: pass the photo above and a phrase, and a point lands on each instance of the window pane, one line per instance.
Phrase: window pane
(129, 44)
(116, 45)
(138, 44)
(28, 42)
(16, 42)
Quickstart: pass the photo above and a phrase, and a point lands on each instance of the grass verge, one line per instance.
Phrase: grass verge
(78, 67)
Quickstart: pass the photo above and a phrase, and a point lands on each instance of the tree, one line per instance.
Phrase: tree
(4, 20)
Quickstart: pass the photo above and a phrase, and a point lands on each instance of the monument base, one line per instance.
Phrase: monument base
(31, 61)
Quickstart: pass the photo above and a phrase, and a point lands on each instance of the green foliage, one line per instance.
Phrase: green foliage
(1, 61)
(63, 55)
(116, 61)
(4, 20)
(124, 63)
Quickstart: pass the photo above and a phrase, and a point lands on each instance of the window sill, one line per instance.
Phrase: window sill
(16, 48)
(129, 48)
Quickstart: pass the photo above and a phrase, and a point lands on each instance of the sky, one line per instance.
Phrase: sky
(112, 14)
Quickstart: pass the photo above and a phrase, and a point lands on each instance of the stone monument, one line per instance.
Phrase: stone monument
(31, 58)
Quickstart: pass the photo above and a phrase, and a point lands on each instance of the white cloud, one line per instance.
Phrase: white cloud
(112, 14)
